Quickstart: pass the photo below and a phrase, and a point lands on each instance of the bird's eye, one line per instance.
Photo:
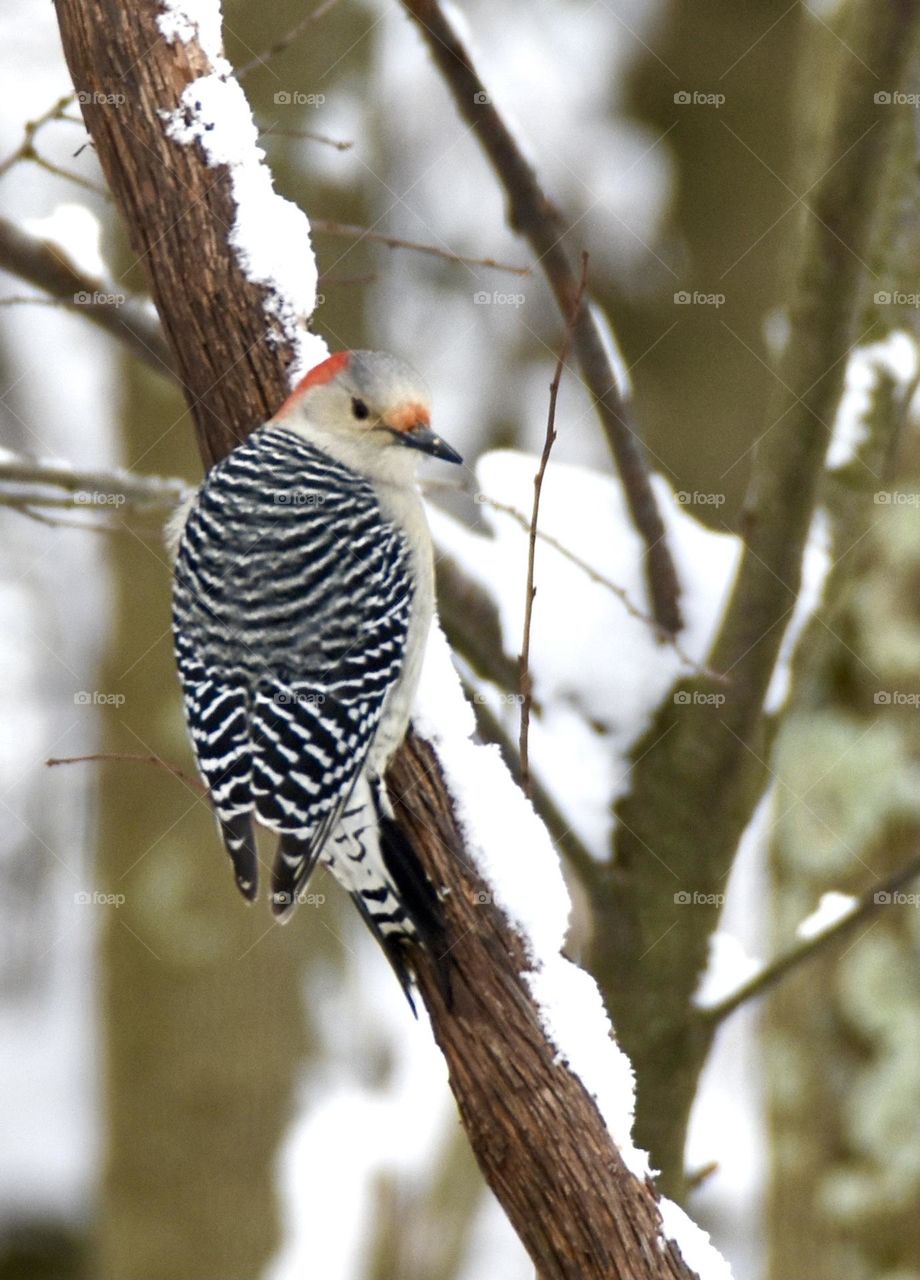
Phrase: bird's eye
(359, 409)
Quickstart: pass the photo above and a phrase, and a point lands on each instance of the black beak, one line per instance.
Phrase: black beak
(424, 438)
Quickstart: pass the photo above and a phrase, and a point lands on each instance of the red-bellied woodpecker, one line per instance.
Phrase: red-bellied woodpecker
(303, 596)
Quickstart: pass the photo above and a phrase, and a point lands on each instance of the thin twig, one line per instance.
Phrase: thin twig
(108, 757)
(549, 441)
(26, 148)
(533, 214)
(483, 499)
(349, 231)
(273, 132)
(869, 903)
(284, 42)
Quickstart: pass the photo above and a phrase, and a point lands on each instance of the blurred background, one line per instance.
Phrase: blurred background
(187, 1093)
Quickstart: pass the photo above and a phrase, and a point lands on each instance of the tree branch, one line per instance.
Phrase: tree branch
(539, 1138)
(532, 213)
(44, 265)
(868, 905)
(323, 226)
(26, 481)
(531, 590)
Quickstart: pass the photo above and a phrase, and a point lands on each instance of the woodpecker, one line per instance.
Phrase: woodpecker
(303, 594)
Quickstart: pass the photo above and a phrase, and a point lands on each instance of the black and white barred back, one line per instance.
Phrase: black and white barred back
(291, 606)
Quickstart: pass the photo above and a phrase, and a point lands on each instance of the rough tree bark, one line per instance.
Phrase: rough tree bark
(537, 1135)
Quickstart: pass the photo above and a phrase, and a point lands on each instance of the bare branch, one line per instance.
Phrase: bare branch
(26, 148)
(272, 131)
(117, 757)
(325, 227)
(51, 482)
(865, 907)
(549, 441)
(128, 319)
(533, 214)
(264, 58)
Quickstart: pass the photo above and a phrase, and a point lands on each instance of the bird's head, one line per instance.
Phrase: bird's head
(369, 408)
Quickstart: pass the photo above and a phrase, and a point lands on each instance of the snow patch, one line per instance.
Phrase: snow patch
(77, 233)
(895, 356)
(188, 20)
(516, 858)
(616, 699)
(816, 565)
(612, 348)
(696, 1248)
(730, 967)
(270, 235)
(832, 907)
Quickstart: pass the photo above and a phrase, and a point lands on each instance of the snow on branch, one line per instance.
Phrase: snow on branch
(32, 483)
(270, 235)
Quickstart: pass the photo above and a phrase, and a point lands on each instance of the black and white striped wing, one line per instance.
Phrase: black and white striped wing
(291, 610)
(218, 720)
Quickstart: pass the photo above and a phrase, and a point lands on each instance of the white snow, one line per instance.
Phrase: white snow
(353, 1126)
(696, 1248)
(730, 966)
(575, 618)
(832, 908)
(516, 858)
(270, 235)
(188, 20)
(894, 356)
(726, 1131)
(816, 565)
(612, 348)
(77, 233)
